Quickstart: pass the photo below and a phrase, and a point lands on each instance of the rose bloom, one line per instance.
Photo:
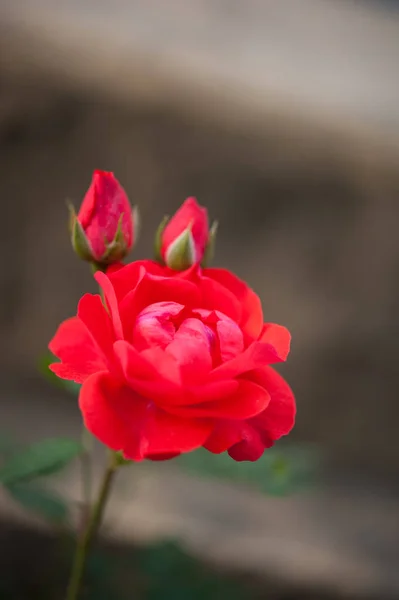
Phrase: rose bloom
(176, 361)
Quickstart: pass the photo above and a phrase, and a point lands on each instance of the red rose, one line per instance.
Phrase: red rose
(105, 228)
(185, 239)
(175, 362)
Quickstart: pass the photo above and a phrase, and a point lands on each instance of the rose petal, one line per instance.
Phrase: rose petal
(125, 279)
(98, 400)
(251, 308)
(151, 290)
(248, 399)
(224, 435)
(112, 303)
(256, 355)
(251, 448)
(152, 373)
(247, 440)
(151, 332)
(154, 325)
(231, 341)
(279, 418)
(92, 312)
(217, 297)
(277, 336)
(162, 433)
(161, 457)
(191, 350)
(123, 420)
(241, 441)
(80, 356)
(163, 310)
(208, 392)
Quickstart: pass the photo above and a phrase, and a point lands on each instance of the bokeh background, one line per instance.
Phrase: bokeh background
(283, 119)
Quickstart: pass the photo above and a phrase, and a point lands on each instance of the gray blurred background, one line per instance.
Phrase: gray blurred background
(283, 119)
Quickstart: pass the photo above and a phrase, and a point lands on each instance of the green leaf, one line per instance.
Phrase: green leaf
(173, 574)
(43, 458)
(40, 501)
(43, 365)
(279, 472)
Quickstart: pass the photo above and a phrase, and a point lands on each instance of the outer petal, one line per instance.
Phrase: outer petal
(152, 373)
(92, 312)
(125, 278)
(247, 440)
(250, 448)
(125, 421)
(249, 399)
(279, 418)
(242, 441)
(216, 296)
(112, 302)
(156, 375)
(160, 457)
(252, 317)
(102, 414)
(79, 354)
(256, 355)
(225, 434)
(278, 336)
(211, 391)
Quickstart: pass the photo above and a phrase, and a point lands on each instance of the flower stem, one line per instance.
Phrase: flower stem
(87, 443)
(84, 542)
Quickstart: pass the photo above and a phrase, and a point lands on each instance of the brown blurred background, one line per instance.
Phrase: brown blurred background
(283, 119)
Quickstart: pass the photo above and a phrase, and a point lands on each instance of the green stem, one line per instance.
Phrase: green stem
(87, 443)
(84, 543)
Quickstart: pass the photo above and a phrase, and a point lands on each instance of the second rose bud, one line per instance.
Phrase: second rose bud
(186, 239)
(105, 228)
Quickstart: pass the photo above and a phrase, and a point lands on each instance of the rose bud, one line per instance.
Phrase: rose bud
(185, 239)
(105, 228)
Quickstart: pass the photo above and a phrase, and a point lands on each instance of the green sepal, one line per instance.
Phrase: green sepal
(210, 245)
(181, 254)
(117, 249)
(120, 460)
(136, 224)
(158, 240)
(80, 243)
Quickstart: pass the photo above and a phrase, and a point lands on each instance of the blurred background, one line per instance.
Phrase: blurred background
(283, 119)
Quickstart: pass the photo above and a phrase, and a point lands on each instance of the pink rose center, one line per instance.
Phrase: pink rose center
(200, 337)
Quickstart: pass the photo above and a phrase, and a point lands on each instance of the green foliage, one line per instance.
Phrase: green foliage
(101, 576)
(21, 466)
(160, 571)
(279, 472)
(170, 573)
(40, 501)
(43, 365)
(42, 458)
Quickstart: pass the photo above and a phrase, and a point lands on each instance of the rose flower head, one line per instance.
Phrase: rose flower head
(174, 361)
(105, 228)
(185, 239)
